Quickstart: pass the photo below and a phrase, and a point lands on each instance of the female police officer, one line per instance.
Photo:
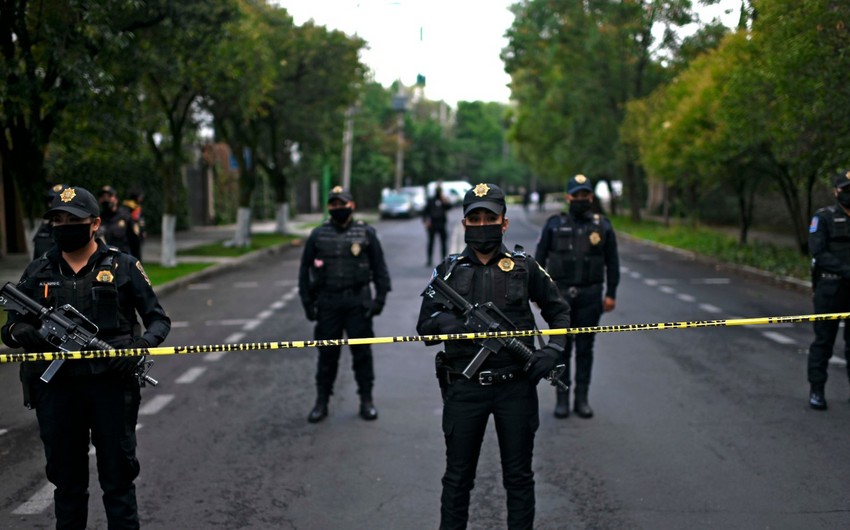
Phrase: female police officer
(504, 387)
(100, 396)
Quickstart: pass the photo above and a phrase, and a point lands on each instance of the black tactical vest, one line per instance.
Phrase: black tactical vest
(505, 283)
(113, 230)
(839, 232)
(95, 295)
(576, 252)
(344, 257)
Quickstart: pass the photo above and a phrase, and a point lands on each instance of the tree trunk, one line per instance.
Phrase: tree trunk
(282, 218)
(169, 240)
(242, 237)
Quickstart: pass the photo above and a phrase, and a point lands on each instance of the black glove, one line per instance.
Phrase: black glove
(375, 308)
(311, 311)
(542, 362)
(127, 365)
(29, 338)
(448, 322)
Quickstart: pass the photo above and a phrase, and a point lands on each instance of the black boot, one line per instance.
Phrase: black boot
(367, 408)
(581, 406)
(562, 409)
(320, 409)
(817, 397)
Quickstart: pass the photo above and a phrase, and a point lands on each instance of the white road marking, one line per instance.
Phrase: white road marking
(666, 289)
(635, 275)
(290, 295)
(37, 503)
(686, 297)
(280, 304)
(712, 281)
(710, 308)
(778, 337)
(156, 404)
(246, 285)
(251, 325)
(265, 314)
(650, 282)
(227, 322)
(236, 337)
(3, 431)
(200, 286)
(190, 375)
(214, 356)
(837, 361)
(284, 283)
(180, 324)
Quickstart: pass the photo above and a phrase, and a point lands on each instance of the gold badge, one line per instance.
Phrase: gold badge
(68, 195)
(57, 188)
(336, 189)
(121, 223)
(506, 264)
(481, 190)
(581, 179)
(144, 274)
(355, 249)
(595, 238)
(104, 276)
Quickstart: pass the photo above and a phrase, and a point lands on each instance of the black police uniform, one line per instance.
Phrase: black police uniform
(118, 229)
(580, 252)
(337, 267)
(829, 244)
(435, 213)
(510, 280)
(96, 396)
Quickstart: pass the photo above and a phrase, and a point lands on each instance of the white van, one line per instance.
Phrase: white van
(454, 190)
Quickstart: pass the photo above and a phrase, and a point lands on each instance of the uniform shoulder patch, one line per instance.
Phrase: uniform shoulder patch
(144, 274)
(813, 227)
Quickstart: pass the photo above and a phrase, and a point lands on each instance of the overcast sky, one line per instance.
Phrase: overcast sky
(455, 44)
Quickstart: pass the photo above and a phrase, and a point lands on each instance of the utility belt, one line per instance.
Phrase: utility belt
(348, 291)
(488, 377)
(829, 276)
(573, 290)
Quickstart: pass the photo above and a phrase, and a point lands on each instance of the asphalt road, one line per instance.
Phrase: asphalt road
(697, 428)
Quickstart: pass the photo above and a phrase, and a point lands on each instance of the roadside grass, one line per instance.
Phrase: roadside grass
(159, 275)
(258, 241)
(775, 259)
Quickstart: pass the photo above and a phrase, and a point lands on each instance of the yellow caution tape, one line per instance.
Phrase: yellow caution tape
(290, 344)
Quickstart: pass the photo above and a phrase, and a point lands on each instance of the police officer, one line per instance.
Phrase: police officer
(829, 243)
(98, 396)
(579, 250)
(505, 387)
(434, 217)
(43, 238)
(133, 206)
(341, 258)
(118, 228)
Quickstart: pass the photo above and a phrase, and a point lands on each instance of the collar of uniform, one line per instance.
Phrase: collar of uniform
(470, 254)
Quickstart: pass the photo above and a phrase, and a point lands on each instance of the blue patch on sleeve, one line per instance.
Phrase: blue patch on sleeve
(814, 226)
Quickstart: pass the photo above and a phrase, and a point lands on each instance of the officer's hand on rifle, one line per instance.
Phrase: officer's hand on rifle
(542, 362)
(449, 322)
(29, 338)
(128, 365)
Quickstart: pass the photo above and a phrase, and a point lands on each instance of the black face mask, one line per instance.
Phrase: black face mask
(579, 207)
(72, 237)
(340, 215)
(484, 239)
(844, 198)
(106, 207)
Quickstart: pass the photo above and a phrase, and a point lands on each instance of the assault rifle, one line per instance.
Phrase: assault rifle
(483, 318)
(66, 329)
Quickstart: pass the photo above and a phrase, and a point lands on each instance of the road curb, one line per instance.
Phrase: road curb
(179, 283)
(788, 282)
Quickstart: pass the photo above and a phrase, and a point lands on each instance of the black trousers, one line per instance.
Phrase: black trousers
(466, 410)
(585, 310)
(434, 230)
(340, 313)
(68, 410)
(831, 296)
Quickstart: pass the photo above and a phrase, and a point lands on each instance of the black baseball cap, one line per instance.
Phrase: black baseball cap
(338, 193)
(107, 189)
(578, 183)
(842, 179)
(76, 201)
(488, 196)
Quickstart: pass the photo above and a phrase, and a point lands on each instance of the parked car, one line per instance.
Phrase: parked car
(454, 190)
(396, 204)
(417, 193)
